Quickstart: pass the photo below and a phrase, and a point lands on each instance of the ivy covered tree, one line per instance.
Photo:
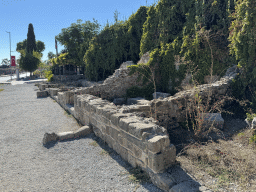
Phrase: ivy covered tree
(114, 45)
(243, 46)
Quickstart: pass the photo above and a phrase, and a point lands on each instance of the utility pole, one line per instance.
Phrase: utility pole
(10, 50)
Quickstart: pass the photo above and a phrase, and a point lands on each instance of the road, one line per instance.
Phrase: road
(5, 78)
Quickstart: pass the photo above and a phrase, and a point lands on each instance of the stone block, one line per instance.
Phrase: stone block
(137, 129)
(212, 119)
(114, 133)
(66, 135)
(132, 139)
(119, 101)
(137, 151)
(155, 162)
(131, 101)
(110, 141)
(124, 153)
(158, 143)
(83, 131)
(41, 94)
(116, 117)
(48, 137)
(131, 159)
(53, 91)
(124, 122)
(157, 95)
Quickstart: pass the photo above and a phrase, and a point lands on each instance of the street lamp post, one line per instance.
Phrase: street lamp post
(10, 50)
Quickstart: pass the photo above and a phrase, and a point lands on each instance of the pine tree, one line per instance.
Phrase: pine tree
(31, 40)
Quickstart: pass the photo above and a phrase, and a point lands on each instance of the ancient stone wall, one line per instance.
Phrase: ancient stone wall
(137, 140)
(67, 77)
(114, 86)
(173, 109)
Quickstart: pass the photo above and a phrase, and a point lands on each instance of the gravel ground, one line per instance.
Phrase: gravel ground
(73, 165)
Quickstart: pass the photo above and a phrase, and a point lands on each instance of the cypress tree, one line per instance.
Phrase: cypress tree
(31, 40)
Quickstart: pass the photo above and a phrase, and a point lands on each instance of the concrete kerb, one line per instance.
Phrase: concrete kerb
(83, 131)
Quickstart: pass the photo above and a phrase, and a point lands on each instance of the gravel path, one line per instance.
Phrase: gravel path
(73, 165)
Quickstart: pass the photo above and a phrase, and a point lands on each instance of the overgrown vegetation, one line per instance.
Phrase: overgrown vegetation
(48, 75)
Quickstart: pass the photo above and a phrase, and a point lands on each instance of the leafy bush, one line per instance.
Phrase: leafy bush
(145, 92)
(250, 116)
(48, 75)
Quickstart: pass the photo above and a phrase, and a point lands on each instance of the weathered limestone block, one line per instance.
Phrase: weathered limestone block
(53, 91)
(157, 95)
(137, 129)
(131, 101)
(42, 86)
(212, 119)
(131, 159)
(155, 162)
(158, 143)
(83, 131)
(124, 123)
(61, 98)
(41, 94)
(69, 97)
(48, 137)
(115, 118)
(119, 101)
(66, 135)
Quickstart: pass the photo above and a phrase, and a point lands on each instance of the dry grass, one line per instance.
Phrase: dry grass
(1, 90)
(94, 143)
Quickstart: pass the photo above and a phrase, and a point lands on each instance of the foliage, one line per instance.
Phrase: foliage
(114, 45)
(40, 46)
(29, 62)
(31, 41)
(48, 75)
(250, 116)
(51, 55)
(145, 92)
(242, 45)
(77, 37)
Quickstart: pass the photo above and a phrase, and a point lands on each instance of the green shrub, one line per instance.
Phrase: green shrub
(145, 92)
(253, 138)
(250, 116)
(48, 75)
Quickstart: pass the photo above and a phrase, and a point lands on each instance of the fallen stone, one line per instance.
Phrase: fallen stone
(66, 135)
(119, 101)
(251, 124)
(157, 95)
(131, 101)
(48, 137)
(83, 131)
(213, 119)
(41, 94)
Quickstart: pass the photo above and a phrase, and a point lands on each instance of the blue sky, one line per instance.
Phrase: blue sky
(49, 17)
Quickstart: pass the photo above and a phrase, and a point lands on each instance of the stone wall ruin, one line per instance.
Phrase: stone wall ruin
(129, 129)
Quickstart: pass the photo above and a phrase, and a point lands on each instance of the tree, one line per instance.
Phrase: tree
(40, 47)
(51, 55)
(5, 61)
(31, 40)
(29, 61)
(21, 45)
(76, 38)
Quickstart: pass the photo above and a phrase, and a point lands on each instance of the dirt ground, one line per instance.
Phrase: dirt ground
(222, 159)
